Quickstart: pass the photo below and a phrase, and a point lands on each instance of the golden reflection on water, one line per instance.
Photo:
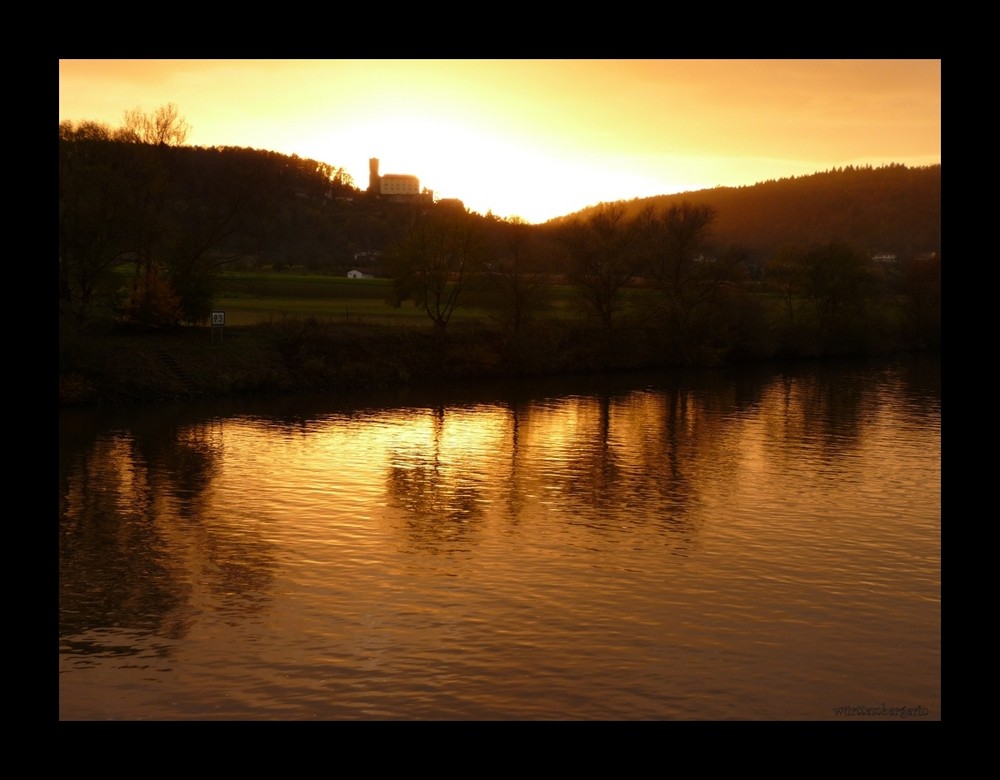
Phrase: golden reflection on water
(748, 549)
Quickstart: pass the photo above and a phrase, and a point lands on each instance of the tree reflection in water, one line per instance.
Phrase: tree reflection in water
(135, 542)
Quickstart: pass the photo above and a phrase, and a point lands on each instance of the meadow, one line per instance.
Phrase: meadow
(294, 331)
(256, 297)
(251, 298)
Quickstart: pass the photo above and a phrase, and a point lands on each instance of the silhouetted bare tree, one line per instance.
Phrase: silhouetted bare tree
(164, 126)
(433, 262)
(602, 259)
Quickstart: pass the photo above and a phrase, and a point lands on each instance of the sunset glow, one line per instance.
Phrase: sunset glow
(539, 138)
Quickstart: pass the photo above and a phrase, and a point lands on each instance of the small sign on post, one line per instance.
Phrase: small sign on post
(218, 320)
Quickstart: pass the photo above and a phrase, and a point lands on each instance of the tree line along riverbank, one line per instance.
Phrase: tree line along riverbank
(114, 364)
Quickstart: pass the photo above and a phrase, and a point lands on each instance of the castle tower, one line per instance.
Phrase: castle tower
(373, 176)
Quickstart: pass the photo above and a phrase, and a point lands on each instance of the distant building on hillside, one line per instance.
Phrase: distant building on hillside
(398, 184)
(395, 186)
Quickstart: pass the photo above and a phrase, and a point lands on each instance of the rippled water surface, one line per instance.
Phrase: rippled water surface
(738, 545)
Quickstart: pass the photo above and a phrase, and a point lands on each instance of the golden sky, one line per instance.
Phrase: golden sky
(539, 138)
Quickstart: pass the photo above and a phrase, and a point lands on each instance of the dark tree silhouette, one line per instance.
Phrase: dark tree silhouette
(513, 290)
(602, 260)
(163, 127)
(93, 215)
(434, 260)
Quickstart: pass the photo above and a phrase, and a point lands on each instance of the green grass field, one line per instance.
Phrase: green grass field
(249, 298)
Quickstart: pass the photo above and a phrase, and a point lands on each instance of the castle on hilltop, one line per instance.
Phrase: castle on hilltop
(396, 186)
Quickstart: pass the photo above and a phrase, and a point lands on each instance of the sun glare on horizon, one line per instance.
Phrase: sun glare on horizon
(539, 139)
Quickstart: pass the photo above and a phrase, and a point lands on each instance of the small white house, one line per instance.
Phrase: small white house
(354, 273)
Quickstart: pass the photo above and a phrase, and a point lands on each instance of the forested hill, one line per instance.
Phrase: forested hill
(891, 209)
(193, 211)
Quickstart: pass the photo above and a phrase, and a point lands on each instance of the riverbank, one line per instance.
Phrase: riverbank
(116, 365)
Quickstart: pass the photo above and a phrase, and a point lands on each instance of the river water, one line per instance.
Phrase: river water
(759, 544)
